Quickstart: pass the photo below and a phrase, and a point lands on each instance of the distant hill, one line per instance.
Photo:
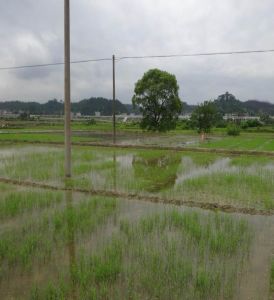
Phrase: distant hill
(131, 110)
(187, 108)
(226, 104)
(257, 107)
(54, 107)
(102, 105)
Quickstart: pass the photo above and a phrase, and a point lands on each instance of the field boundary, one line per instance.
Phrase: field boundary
(152, 147)
(227, 208)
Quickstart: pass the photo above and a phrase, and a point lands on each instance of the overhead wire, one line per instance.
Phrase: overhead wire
(54, 64)
(197, 54)
(138, 57)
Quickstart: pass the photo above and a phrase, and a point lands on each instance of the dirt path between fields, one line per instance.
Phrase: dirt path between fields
(152, 147)
(155, 199)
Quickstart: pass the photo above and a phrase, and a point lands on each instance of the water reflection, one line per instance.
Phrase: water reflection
(71, 241)
(191, 170)
(114, 176)
(156, 173)
(79, 237)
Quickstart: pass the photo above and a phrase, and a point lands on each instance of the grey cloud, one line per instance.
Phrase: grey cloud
(31, 31)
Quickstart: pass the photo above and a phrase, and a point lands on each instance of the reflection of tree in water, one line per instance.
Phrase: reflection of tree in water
(114, 175)
(156, 173)
(71, 240)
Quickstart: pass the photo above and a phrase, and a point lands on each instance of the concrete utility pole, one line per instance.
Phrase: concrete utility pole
(67, 90)
(113, 102)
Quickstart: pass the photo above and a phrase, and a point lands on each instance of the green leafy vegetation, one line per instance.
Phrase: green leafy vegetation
(272, 278)
(36, 239)
(164, 256)
(200, 177)
(156, 96)
(14, 203)
(43, 137)
(256, 142)
(233, 130)
(55, 107)
(204, 117)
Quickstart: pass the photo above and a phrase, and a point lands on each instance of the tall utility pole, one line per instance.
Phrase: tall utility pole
(67, 90)
(113, 101)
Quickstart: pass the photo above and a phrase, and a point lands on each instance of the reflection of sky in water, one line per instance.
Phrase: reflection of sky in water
(25, 150)
(190, 170)
(176, 140)
(254, 279)
(125, 161)
(134, 171)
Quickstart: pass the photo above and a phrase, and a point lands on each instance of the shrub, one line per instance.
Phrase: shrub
(233, 130)
(91, 122)
(251, 124)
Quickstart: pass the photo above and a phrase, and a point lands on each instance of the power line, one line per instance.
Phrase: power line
(196, 54)
(139, 57)
(54, 64)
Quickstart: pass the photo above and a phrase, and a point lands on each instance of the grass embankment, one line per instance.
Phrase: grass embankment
(99, 125)
(247, 141)
(239, 181)
(43, 137)
(244, 142)
(167, 256)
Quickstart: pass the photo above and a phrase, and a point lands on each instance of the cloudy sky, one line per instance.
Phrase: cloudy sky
(31, 32)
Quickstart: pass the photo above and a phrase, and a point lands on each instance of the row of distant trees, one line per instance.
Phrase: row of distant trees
(156, 95)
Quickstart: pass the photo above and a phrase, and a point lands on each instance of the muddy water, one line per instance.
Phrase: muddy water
(145, 139)
(163, 173)
(254, 283)
(255, 276)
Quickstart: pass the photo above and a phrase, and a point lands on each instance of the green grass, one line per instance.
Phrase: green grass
(37, 238)
(272, 278)
(76, 125)
(43, 137)
(166, 256)
(204, 177)
(260, 139)
(243, 142)
(239, 189)
(16, 203)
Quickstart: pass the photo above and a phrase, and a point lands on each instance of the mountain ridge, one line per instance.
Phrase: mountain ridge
(225, 103)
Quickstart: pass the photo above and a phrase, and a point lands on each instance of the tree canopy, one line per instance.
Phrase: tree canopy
(156, 96)
(204, 116)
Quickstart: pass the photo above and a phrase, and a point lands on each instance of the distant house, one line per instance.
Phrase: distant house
(185, 117)
(97, 114)
(235, 117)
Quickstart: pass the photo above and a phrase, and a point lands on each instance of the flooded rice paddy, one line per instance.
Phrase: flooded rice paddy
(240, 181)
(69, 245)
(64, 245)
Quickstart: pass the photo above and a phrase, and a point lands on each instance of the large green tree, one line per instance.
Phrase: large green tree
(204, 117)
(156, 96)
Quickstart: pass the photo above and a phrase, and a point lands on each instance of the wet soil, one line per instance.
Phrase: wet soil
(155, 199)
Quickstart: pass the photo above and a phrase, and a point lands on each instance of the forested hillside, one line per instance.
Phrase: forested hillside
(226, 104)
(54, 107)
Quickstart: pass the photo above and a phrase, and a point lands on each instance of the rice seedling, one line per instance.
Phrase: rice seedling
(165, 256)
(39, 236)
(272, 278)
(241, 181)
(16, 203)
